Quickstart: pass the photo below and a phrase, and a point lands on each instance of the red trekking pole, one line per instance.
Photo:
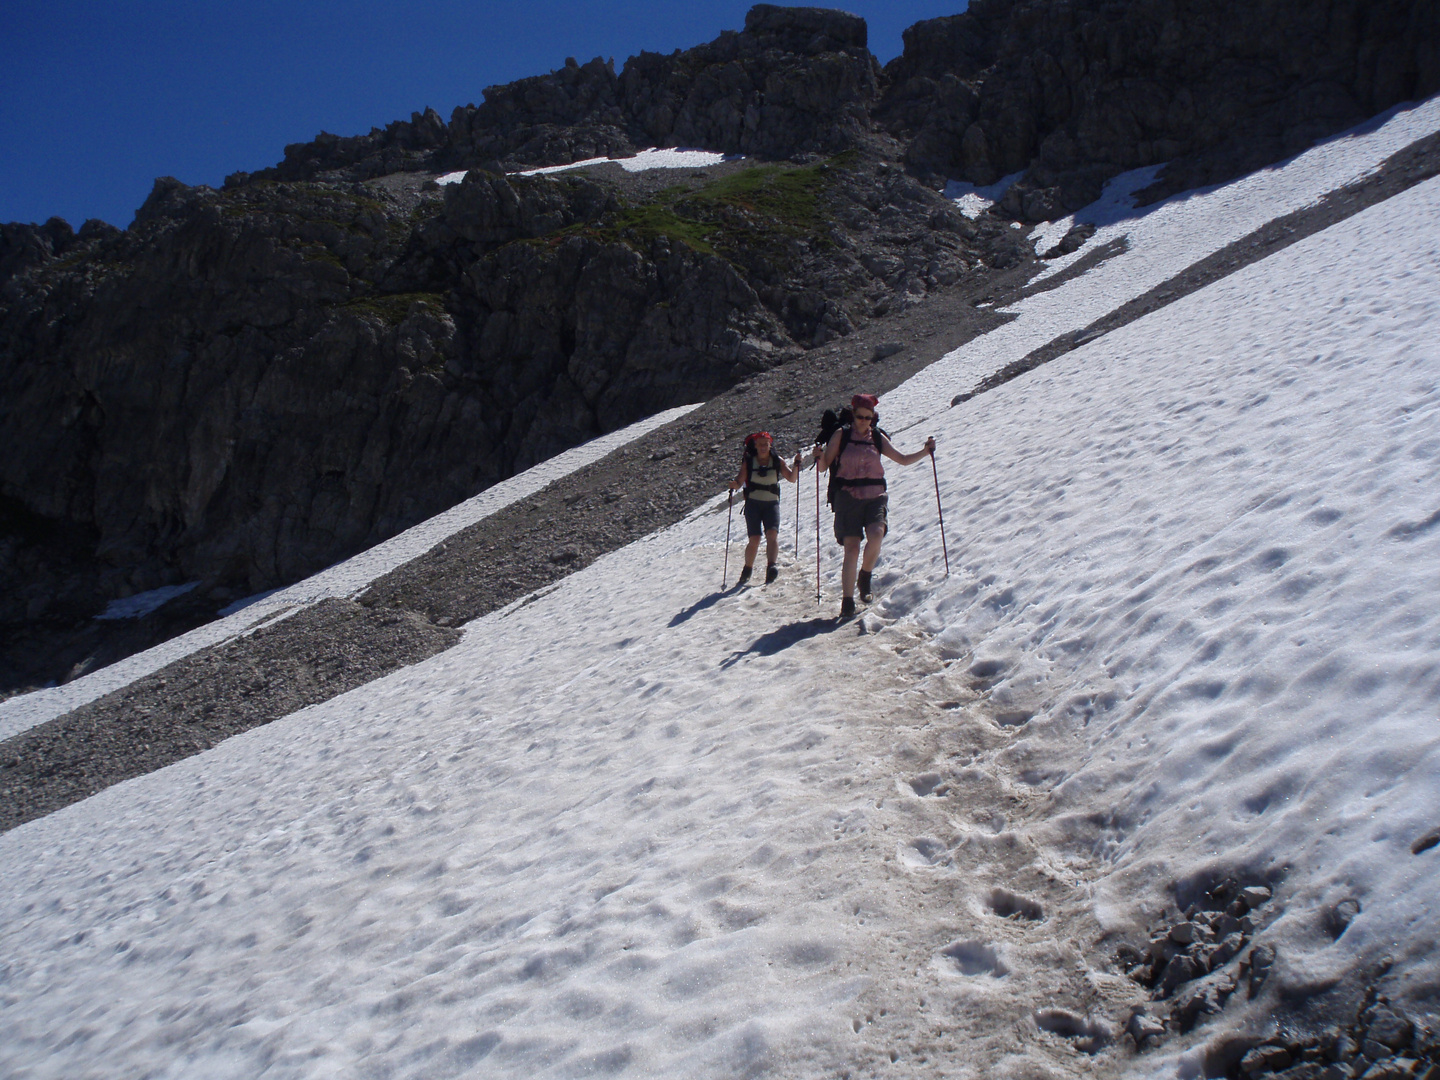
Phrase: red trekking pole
(941, 510)
(817, 530)
(729, 513)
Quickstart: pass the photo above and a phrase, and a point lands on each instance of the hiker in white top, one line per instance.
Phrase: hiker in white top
(760, 474)
(861, 505)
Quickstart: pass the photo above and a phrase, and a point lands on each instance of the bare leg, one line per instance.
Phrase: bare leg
(873, 535)
(848, 568)
(750, 549)
(772, 546)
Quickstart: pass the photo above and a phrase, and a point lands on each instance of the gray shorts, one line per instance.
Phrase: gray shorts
(852, 515)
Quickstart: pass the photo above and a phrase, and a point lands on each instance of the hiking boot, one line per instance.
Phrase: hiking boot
(771, 573)
(745, 575)
(847, 608)
(864, 583)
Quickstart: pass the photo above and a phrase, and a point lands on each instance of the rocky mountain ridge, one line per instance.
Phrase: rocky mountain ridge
(1069, 93)
(248, 384)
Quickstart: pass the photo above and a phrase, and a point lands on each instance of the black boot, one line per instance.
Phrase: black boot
(847, 608)
(864, 583)
(745, 574)
(771, 573)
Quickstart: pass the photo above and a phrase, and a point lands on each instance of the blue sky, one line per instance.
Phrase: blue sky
(96, 100)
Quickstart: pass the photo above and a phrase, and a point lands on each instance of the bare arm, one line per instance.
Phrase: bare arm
(742, 477)
(789, 473)
(832, 451)
(906, 459)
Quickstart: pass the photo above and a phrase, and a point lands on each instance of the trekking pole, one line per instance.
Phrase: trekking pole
(729, 513)
(941, 510)
(797, 516)
(817, 531)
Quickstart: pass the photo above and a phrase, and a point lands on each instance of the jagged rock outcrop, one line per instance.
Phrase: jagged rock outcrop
(399, 146)
(1075, 91)
(1069, 92)
(249, 385)
(794, 81)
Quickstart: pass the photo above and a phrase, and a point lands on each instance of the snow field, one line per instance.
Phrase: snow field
(611, 831)
(645, 160)
(1200, 555)
(974, 201)
(142, 604)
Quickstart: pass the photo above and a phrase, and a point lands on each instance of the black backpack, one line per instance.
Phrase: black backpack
(840, 420)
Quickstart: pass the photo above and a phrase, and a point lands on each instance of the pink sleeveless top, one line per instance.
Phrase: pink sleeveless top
(861, 461)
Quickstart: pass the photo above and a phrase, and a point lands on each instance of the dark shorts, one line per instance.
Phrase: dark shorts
(761, 516)
(852, 515)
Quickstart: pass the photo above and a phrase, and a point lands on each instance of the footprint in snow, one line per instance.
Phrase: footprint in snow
(924, 851)
(1008, 905)
(901, 598)
(971, 958)
(1090, 1035)
(928, 783)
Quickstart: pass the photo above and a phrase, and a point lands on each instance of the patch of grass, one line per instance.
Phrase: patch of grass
(87, 264)
(650, 220)
(755, 210)
(393, 309)
(785, 198)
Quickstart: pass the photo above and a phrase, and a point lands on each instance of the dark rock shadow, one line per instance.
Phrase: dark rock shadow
(781, 638)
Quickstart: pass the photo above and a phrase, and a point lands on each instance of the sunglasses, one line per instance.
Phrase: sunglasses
(864, 416)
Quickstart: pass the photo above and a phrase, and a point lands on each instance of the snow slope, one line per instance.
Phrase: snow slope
(1162, 240)
(631, 826)
(1203, 552)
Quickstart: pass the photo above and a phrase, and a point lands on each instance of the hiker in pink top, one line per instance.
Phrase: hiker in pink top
(861, 503)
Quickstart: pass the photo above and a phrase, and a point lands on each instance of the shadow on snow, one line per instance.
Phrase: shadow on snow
(703, 603)
(782, 637)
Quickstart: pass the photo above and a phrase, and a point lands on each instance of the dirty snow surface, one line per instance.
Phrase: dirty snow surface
(635, 826)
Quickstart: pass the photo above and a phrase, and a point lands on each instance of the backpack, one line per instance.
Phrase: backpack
(752, 463)
(840, 420)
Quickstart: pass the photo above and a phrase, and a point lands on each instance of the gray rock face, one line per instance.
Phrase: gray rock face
(244, 398)
(793, 81)
(1070, 92)
(1076, 92)
(399, 146)
(488, 210)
